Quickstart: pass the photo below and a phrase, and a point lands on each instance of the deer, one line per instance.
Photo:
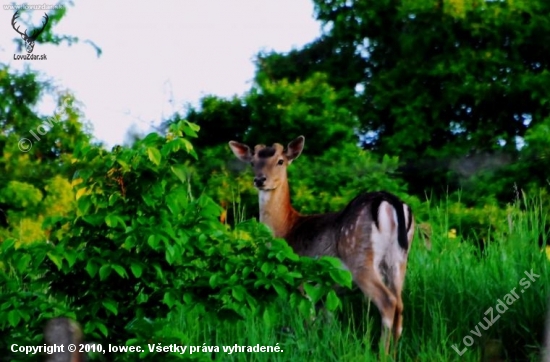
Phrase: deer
(371, 236)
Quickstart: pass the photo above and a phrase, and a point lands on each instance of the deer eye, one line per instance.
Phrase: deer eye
(280, 162)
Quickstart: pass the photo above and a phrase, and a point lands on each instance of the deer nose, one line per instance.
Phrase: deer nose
(259, 181)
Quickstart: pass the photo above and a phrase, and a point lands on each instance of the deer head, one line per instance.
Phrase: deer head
(29, 40)
(268, 162)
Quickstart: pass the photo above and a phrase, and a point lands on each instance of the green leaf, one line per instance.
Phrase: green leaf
(295, 275)
(190, 129)
(333, 301)
(267, 267)
(151, 138)
(153, 242)
(25, 314)
(120, 270)
(154, 155)
(195, 127)
(160, 274)
(114, 198)
(246, 271)
(124, 164)
(334, 262)
(213, 281)
(104, 272)
(22, 263)
(91, 268)
(314, 292)
(136, 269)
(280, 289)
(341, 276)
(56, 259)
(13, 318)
(71, 256)
(173, 205)
(130, 242)
(180, 172)
(83, 204)
(291, 255)
(238, 293)
(102, 328)
(7, 244)
(169, 299)
(170, 253)
(112, 220)
(94, 220)
(183, 143)
(186, 144)
(111, 306)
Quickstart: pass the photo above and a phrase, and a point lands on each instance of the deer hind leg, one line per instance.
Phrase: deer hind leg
(370, 283)
(396, 286)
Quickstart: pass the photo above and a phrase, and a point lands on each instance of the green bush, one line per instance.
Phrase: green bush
(141, 247)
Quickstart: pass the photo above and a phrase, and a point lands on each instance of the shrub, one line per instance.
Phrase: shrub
(141, 246)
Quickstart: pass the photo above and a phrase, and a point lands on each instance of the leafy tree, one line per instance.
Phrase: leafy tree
(218, 119)
(340, 63)
(440, 81)
(36, 167)
(36, 151)
(277, 111)
(283, 110)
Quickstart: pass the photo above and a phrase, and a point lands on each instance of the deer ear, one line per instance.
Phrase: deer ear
(294, 148)
(240, 150)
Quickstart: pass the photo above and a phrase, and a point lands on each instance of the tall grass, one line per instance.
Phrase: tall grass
(450, 285)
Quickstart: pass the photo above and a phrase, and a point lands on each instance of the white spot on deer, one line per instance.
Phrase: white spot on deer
(384, 238)
(264, 198)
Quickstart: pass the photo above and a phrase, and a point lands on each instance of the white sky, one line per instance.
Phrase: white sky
(159, 55)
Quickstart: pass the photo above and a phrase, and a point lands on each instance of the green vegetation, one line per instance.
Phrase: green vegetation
(443, 103)
(174, 274)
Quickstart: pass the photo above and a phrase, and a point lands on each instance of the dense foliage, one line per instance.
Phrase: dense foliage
(454, 87)
(442, 102)
(140, 245)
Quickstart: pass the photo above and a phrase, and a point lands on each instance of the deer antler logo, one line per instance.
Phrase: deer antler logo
(29, 39)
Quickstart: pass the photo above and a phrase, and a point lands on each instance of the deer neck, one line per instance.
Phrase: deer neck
(276, 211)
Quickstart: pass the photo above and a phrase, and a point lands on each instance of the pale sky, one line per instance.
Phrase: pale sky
(159, 55)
